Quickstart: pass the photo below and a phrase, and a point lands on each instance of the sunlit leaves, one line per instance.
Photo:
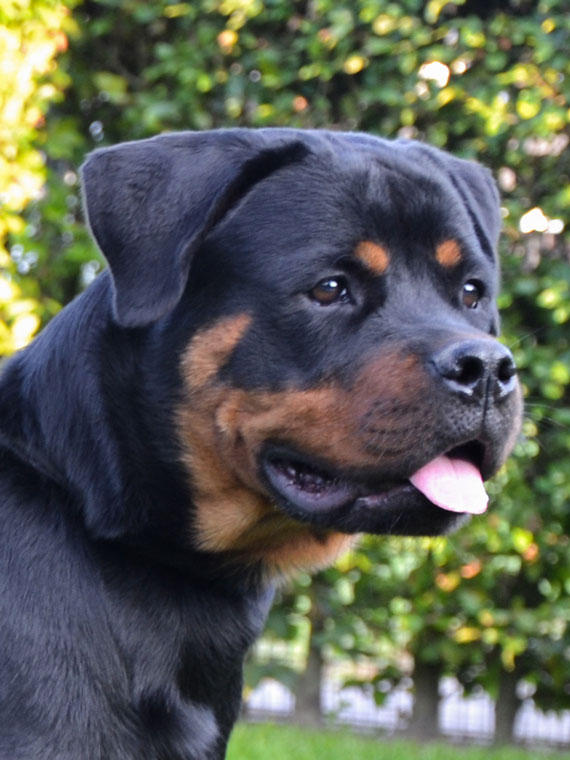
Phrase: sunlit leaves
(19, 319)
(32, 35)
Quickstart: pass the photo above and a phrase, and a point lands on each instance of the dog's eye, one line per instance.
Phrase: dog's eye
(331, 290)
(472, 294)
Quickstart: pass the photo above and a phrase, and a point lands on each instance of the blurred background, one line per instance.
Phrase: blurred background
(466, 637)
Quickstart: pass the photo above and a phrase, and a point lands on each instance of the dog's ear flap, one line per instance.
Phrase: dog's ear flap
(150, 204)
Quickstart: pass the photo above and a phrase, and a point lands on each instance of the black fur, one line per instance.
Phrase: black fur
(121, 639)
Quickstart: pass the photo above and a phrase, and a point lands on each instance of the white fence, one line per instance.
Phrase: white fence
(461, 718)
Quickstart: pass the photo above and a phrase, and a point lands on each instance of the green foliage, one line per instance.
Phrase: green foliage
(32, 33)
(496, 597)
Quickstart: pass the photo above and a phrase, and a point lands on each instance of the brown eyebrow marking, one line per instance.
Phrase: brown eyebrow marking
(373, 256)
(448, 253)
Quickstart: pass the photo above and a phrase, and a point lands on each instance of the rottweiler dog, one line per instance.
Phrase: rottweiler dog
(294, 343)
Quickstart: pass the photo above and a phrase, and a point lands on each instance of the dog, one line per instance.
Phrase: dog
(294, 343)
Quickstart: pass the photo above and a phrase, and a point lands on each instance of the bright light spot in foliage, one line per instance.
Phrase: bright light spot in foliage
(354, 64)
(23, 329)
(555, 226)
(535, 220)
(436, 72)
(300, 103)
(227, 39)
(8, 290)
(507, 179)
(460, 66)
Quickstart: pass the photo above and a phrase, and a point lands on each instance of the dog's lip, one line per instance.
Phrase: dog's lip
(307, 486)
(311, 488)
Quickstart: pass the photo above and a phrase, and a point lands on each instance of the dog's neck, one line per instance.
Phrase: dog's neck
(146, 497)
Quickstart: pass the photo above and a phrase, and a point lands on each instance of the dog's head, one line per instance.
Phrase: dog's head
(334, 301)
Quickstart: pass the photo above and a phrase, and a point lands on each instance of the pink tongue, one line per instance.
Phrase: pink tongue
(452, 484)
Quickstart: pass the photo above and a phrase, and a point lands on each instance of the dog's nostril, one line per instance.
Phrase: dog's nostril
(475, 368)
(507, 370)
(468, 371)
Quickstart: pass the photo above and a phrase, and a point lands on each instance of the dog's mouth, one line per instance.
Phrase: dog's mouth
(452, 482)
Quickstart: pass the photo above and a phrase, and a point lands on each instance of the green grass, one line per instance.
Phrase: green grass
(269, 742)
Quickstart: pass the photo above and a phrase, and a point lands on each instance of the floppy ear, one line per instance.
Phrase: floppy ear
(150, 203)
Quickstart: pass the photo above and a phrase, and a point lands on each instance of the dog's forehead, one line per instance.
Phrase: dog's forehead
(331, 201)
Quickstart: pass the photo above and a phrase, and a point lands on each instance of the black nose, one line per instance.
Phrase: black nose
(477, 368)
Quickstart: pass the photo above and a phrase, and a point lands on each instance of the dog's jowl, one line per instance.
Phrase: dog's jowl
(294, 343)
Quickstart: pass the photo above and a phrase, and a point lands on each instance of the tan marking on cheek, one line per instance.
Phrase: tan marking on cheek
(210, 348)
(223, 430)
(224, 507)
(373, 256)
(448, 254)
